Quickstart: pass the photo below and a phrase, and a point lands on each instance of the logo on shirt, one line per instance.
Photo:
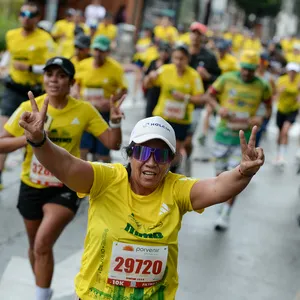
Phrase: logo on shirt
(164, 209)
(232, 92)
(31, 48)
(75, 122)
(155, 235)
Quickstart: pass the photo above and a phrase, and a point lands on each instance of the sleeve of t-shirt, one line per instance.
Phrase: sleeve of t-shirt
(218, 86)
(104, 175)
(158, 80)
(12, 125)
(96, 125)
(182, 191)
(198, 88)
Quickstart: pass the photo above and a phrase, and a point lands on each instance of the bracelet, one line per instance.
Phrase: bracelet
(30, 69)
(244, 175)
(114, 125)
(38, 145)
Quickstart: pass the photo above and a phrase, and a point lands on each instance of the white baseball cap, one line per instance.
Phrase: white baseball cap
(153, 128)
(292, 66)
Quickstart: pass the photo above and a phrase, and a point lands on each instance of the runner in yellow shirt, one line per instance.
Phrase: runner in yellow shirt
(226, 61)
(45, 203)
(252, 43)
(288, 91)
(107, 28)
(294, 55)
(165, 31)
(181, 88)
(82, 49)
(28, 48)
(98, 78)
(131, 246)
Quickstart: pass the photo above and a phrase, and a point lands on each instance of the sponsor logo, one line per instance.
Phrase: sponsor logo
(157, 125)
(164, 209)
(147, 250)
(75, 122)
(128, 248)
(155, 235)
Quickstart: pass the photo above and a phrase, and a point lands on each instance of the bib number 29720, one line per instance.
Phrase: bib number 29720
(136, 265)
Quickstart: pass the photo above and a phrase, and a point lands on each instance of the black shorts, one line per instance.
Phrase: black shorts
(281, 118)
(181, 131)
(11, 100)
(31, 200)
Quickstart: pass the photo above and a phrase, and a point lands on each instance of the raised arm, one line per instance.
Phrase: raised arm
(229, 184)
(77, 174)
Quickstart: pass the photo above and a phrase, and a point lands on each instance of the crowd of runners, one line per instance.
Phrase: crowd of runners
(229, 84)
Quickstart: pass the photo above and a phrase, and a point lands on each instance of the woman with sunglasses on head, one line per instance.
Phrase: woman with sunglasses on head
(131, 246)
(181, 87)
(45, 203)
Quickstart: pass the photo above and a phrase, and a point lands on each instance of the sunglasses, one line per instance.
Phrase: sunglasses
(28, 14)
(143, 153)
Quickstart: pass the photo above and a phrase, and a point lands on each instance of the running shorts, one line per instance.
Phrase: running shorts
(281, 118)
(31, 200)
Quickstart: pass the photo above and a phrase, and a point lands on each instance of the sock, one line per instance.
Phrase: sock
(42, 293)
(226, 209)
(282, 150)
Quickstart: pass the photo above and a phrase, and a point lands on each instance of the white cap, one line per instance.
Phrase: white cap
(153, 128)
(292, 66)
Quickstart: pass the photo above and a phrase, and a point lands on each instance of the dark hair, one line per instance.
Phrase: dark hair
(183, 48)
(128, 151)
(32, 4)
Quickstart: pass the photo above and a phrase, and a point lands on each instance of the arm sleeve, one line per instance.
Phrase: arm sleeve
(96, 125)
(182, 191)
(12, 125)
(218, 85)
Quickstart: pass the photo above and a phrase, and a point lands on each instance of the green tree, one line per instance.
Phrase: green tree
(260, 8)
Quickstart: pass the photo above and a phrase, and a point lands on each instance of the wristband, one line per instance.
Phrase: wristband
(187, 98)
(30, 69)
(114, 125)
(37, 145)
(244, 175)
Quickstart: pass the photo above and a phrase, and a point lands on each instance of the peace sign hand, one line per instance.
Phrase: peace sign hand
(252, 158)
(33, 122)
(116, 114)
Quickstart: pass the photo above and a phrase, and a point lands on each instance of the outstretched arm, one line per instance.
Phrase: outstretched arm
(75, 173)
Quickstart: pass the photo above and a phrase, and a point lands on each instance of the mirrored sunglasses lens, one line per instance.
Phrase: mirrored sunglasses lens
(162, 156)
(141, 153)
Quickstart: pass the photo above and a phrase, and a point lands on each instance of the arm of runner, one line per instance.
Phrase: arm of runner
(10, 143)
(77, 174)
(229, 184)
(112, 138)
(150, 79)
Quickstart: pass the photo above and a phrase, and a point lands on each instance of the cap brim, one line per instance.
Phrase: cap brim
(248, 66)
(100, 47)
(81, 46)
(57, 65)
(148, 137)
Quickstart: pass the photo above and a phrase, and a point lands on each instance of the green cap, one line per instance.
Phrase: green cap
(101, 42)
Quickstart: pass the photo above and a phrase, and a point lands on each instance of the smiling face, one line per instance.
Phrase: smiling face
(57, 83)
(146, 176)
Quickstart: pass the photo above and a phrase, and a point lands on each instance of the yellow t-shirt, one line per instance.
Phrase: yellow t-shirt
(110, 31)
(169, 81)
(141, 46)
(106, 80)
(66, 129)
(291, 57)
(117, 214)
(66, 43)
(167, 34)
(184, 38)
(149, 55)
(34, 49)
(288, 45)
(237, 40)
(228, 63)
(252, 44)
(287, 101)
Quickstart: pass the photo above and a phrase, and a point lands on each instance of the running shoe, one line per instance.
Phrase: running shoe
(222, 223)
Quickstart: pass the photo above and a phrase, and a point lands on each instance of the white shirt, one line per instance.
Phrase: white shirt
(94, 14)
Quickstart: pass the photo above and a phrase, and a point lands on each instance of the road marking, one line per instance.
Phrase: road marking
(17, 281)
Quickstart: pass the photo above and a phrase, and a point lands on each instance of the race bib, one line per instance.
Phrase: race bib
(136, 265)
(91, 94)
(40, 175)
(175, 109)
(239, 121)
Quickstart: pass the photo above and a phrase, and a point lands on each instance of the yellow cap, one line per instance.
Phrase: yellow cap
(249, 59)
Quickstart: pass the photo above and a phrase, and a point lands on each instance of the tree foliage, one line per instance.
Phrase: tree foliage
(260, 8)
